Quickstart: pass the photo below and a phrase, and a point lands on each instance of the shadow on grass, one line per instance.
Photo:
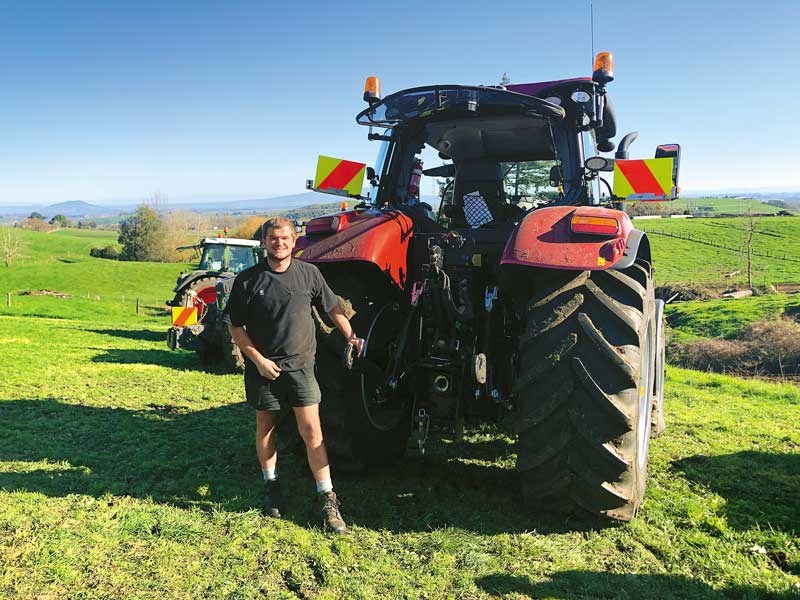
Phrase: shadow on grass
(185, 361)
(588, 584)
(760, 488)
(205, 458)
(135, 334)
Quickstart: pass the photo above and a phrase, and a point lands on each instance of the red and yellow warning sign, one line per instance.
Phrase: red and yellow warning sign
(647, 179)
(338, 176)
(184, 315)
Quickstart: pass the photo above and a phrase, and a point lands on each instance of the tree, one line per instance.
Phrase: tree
(526, 179)
(61, 221)
(11, 245)
(142, 236)
(504, 80)
(250, 228)
(36, 215)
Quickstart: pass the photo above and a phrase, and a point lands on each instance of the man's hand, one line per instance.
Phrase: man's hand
(268, 369)
(356, 342)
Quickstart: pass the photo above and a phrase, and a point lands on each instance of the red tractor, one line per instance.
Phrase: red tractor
(506, 304)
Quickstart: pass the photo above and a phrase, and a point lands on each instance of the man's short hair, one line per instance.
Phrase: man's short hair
(277, 223)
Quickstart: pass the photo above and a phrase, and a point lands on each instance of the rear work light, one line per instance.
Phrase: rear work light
(595, 225)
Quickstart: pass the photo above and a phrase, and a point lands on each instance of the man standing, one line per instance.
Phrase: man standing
(269, 316)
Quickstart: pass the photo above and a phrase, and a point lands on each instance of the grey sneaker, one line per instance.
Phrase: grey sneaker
(273, 499)
(332, 518)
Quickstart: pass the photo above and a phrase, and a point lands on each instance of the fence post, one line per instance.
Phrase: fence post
(137, 306)
(8, 298)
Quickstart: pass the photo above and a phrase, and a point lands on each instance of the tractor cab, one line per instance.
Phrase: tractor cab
(501, 151)
(228, 255)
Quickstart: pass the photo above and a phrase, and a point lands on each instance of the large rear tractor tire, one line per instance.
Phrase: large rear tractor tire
(357, 434)
(231, 354)
(584, 391)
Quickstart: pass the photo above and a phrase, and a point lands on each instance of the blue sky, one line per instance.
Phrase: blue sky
(111, 101)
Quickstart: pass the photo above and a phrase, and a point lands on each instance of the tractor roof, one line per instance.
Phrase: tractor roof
(229, 242)
(448, 102)
(542, 88)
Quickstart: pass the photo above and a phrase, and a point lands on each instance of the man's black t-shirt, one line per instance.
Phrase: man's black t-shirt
(275, 308)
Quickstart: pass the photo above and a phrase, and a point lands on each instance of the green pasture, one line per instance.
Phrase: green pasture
(126, 470)
(707, 251)
(60, 262)
(723, 318)
(730, 206)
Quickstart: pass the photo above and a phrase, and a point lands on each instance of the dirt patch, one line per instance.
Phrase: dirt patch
(683, 292)
(787, 288)
(43, 293)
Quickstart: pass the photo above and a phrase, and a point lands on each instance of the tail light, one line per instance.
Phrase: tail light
(594, 225)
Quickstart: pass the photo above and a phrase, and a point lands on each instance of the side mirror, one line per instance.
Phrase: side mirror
(372, 177)
(555, 176)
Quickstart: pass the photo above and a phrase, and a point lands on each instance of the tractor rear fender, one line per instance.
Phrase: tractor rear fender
(186, 281)
(381, 239)
(545, 238)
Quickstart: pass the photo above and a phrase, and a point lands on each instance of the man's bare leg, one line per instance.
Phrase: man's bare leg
(267, 452)
(266, 448)
(310, 429)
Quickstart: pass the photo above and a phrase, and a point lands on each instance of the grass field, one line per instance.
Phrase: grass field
(731, 206)
(698, 257)
(127, 471)
(60, 262)
(723, 318)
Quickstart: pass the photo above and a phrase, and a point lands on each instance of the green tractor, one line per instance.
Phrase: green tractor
(196, 315)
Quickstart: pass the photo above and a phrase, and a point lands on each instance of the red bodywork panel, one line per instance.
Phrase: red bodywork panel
(208, 294)
(378, 238)
(545, 239)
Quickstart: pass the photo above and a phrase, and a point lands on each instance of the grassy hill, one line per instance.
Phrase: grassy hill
(127, 471)
(731, 206)
(705, 250)
(60, 262)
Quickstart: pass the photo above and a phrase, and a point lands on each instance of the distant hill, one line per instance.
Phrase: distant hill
(78, 209)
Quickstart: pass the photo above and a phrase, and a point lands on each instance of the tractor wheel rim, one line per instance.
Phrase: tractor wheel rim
(383, 418)
(644, 389)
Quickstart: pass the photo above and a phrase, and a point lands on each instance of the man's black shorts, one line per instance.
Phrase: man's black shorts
(291, 388)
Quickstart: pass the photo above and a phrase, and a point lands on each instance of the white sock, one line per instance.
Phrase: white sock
(324, 486)
(269, 474)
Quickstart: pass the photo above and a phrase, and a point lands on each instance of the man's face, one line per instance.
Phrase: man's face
(279, 242)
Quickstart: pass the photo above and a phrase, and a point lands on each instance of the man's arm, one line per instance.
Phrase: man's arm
(265, 366)
(343, 325)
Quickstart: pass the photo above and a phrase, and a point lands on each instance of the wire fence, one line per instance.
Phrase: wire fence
(740, 250)
(140, 305)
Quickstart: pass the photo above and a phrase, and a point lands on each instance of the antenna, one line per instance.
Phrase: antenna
(591, 26)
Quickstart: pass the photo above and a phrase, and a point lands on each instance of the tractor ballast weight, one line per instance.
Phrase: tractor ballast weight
(508, 304)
